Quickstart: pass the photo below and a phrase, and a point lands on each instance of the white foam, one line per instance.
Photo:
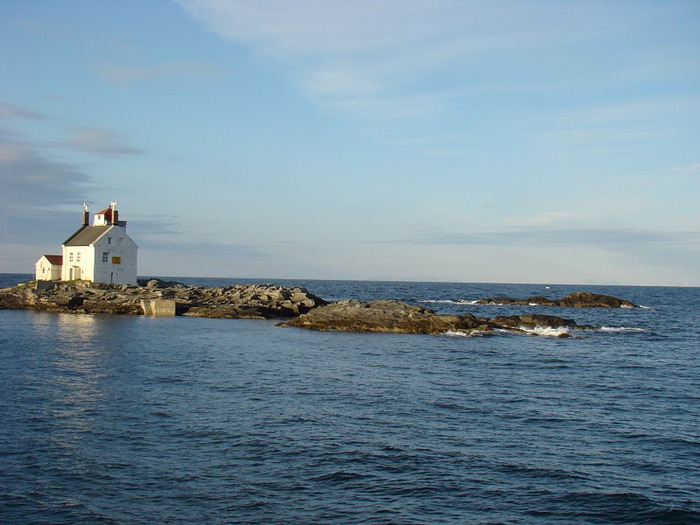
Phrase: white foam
(547, 331)
(448, 301)
(620, 329)
(459, 333)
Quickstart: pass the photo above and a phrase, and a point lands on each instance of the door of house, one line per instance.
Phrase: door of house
(75, 273)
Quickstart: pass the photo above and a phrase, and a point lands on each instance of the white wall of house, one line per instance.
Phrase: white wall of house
(115, 258)
(78, 263)
(45, 271)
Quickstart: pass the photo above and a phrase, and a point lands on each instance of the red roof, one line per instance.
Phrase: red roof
(56, 260)
(107, 212)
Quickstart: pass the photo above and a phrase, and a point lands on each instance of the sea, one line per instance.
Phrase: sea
(142, 420)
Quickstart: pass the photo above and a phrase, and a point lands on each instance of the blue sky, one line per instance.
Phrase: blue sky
(448, 140)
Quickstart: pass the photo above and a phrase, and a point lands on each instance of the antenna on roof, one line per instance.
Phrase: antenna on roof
(86, 214)
(115, 213)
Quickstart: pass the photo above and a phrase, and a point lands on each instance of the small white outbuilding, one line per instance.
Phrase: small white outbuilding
(48, 268)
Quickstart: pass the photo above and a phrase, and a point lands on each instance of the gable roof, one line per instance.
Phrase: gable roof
(87, 235)
(56, 260)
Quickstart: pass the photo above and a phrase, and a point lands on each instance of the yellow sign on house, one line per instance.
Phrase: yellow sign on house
(116, 260)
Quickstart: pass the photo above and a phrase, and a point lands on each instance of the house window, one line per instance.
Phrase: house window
(70, 257)
(105, 257)
(77, 257)
(109, 240)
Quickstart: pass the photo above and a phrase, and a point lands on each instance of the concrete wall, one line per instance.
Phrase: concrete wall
(158, 307)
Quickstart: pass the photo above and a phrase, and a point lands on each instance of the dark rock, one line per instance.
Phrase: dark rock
(594, 300)
(533, 321)
(160, 283)
(573, 300)
(376, 316)
(394, 316)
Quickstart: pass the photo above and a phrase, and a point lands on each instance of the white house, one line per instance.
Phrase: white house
(101, 253)
(48, 268)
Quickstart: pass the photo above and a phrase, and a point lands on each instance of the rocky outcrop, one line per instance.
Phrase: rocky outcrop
(398, 317)
(263, 301)
(573, 300)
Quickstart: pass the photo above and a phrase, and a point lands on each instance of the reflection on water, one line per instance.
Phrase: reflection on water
(76, 367)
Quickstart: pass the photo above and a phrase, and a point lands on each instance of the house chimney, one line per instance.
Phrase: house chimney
(86, 214)
(115, 213)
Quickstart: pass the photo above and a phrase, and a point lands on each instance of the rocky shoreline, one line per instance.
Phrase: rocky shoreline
(296, 306)
(158, 297)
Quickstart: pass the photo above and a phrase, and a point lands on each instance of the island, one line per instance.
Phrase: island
(295, 306)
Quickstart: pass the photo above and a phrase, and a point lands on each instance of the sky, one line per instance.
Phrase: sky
(434, 140)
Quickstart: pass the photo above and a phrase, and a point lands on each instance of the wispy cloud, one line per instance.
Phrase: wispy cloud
(34, 188)
(611, 238)
(691, 169)
(356, 55)
(126, 76)
(28, 176)
(13, 111)
(366, 48)
(98, 141)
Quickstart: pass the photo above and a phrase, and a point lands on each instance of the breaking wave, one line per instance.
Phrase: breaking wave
(473, 333)
(620, 329)
(547, 331)
(448, 301)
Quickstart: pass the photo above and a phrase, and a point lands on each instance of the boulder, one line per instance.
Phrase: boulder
(594, 300)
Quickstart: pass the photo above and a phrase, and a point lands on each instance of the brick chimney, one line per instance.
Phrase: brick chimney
(115, 213)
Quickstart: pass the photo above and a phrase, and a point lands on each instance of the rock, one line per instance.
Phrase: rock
(594, 300)
(532, 321)
(398, 317)
(573, 300)
(160, 283)
(376, 316)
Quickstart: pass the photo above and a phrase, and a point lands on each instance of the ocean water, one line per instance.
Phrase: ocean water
(140, 420)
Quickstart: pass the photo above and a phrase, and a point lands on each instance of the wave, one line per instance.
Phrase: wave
(449, 301)
(473, 333)
(475, 302)
(620, 329)
(544, 331)
(547, 331)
